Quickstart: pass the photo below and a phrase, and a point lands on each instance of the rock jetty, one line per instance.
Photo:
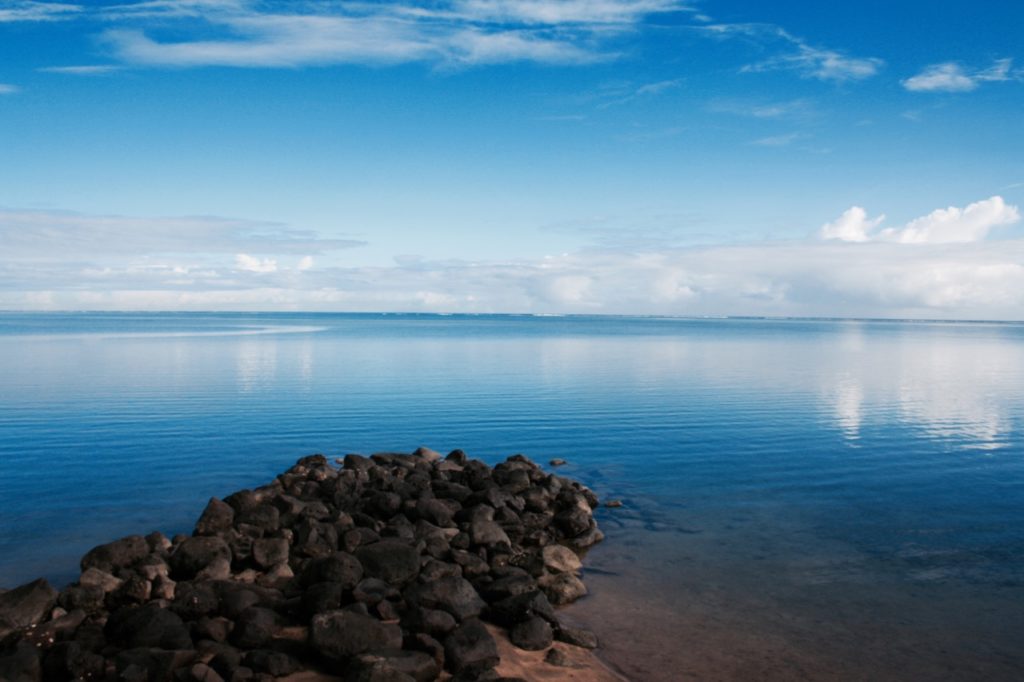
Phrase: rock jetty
(381, 570)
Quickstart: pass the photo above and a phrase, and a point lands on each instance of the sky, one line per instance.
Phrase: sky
(654, 157)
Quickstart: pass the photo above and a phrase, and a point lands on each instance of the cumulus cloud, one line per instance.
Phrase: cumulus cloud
(249, 263)
(829, 278)
(922, 269)
(853, 226)
(941, 226)
(953, 77)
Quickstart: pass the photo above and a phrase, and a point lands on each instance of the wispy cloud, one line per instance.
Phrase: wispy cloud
(29, 10)
(942, 226)
(796, 54)
(8, 89)
(452, 32)
(82, 70)
(42, 235)
(953, 77)
(778, 140)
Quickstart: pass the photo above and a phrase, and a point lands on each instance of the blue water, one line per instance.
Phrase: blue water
(808, 499)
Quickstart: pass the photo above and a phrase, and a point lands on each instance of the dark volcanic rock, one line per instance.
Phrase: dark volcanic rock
(25, 605)
(195, 554)
(21, 665)
(339, 634)
(576, 637)
(254, 628)
(117, 554)
(415, 665)
(148, 626)
(470, 648)
(378, 571)
(454, 595)
(217, 517)
(392, 561)
(270, 551)
(339, 567)
(533, 634)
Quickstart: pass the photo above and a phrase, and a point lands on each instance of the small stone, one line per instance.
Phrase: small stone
(201, 672)
(559, 658)
(613, 504)
(577, 637)
(557, 462)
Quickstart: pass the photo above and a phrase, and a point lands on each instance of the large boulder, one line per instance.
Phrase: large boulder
(216, 518)
(340, 634)
(117, 554)
(561, 559)
(470, 649)
(148, 626)
(533, 634)
(452, 594)
(339, 567)
(26, 605)
(196, 554)
(392, 561)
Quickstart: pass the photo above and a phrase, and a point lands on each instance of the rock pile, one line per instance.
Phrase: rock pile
(380, 570)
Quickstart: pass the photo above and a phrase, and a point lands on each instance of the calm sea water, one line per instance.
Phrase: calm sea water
(803, 499)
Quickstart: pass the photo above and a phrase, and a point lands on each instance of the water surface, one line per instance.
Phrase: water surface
(803, 499)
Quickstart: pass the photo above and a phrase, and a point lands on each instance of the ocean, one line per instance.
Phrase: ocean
(802, 499)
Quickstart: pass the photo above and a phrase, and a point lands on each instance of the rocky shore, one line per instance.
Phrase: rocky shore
(389, 568)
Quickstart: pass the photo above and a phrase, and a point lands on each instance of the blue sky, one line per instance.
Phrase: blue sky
(582, 156)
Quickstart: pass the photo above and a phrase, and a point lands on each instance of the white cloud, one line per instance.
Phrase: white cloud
(797, 54)
(251, 264)
(305, 263)
(553, 12)
(29, 10)
(827, 278)
(883, 276)
(952, 77)
(778, 140)
(61, 234)
(244, 34)
(954, 224)
(853, 226)
(7, 89)
(941, 226)
(81, 70)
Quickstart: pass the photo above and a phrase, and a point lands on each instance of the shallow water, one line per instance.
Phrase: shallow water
(803, 499)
